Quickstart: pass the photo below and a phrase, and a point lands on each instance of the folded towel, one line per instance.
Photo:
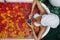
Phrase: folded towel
(50, 20)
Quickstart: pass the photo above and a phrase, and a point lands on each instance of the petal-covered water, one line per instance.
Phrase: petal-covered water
(13, 18)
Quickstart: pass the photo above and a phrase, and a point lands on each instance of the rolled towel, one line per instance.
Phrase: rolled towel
(36, 15)
(37, 24)
(50, 20)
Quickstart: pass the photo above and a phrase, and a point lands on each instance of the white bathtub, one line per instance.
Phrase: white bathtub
(47, 10)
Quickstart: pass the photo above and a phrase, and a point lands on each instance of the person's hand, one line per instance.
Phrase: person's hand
(30, 16)
(31, 26)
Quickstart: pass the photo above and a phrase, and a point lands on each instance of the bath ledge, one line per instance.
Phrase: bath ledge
(16, 39)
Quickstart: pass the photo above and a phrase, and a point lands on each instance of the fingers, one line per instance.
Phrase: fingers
(30, 16)
(30, 26)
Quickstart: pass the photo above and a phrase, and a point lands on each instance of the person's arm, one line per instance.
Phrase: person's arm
(33, 5)
(34, 34)
(43, 28)
(42, 10)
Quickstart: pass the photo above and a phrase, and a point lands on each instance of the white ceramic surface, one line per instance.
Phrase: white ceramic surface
(16, 39)
(55, 2)
(19, 0)
(1, 0)
(48, 28)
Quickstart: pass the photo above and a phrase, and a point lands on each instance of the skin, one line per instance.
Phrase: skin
(43, 28)
(4, 0)
(38, 19)
(42, 10)
(33, 5)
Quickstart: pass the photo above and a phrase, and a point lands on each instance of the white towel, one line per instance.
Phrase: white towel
(36, 15)
(50, 20)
